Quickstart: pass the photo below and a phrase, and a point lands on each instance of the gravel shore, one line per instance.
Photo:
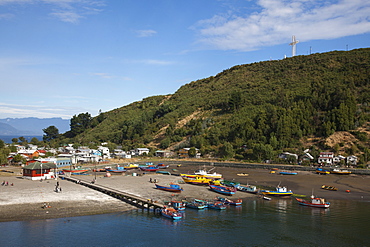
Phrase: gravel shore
(24, 200)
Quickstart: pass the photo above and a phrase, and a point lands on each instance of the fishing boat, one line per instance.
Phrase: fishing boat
(329, 187)
(280, 191)
(243, 174)
(130, 166)
(237, 202)
(217, 205)
(203, 202)
(178, 205)
(226, 190)
(247, 188)
(118, 170)
(75, 170)
(195, 205)
(163, 172)
(314, 202)
(171, 188)
(288, 173)
(229, 183)
(149, 169)
(197, 180)
(208, 173)
(322, 171)
(162, 166)
(171, 213)
(340, 172)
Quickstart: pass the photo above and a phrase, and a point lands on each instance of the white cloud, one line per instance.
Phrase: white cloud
(145, 33)
(65, 10)
(41, 111)
(277, 20)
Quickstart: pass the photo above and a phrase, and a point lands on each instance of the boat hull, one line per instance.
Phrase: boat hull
(171, 188)
(171, 214)
(223, 189)
(309, 204)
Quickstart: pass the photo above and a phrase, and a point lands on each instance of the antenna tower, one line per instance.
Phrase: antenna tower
(293, 44)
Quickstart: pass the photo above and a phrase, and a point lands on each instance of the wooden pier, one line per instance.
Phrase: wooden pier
(126, 197)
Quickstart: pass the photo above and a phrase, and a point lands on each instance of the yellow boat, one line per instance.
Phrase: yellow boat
(198, 180)
(131, 166)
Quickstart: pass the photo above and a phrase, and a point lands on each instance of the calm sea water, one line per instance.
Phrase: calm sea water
(8, 139)
(280, 222)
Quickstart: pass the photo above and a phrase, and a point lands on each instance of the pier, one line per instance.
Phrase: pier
(136, 201)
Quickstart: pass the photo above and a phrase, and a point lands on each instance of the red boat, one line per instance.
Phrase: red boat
(149, 169)
(76, 170)
(314, 202)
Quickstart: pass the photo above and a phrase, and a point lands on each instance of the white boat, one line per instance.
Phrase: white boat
(340, 172)
(314, 202)
(207, 174)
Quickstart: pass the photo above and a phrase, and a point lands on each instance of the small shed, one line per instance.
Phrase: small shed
(39, 171)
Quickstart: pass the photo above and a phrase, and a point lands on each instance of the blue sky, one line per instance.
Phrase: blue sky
(59, 58)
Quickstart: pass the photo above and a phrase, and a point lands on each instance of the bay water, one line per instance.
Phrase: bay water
(279, 222)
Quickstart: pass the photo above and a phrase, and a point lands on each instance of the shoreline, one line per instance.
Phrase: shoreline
(24, 200)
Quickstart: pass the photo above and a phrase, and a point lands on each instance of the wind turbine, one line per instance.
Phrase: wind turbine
(293, 44)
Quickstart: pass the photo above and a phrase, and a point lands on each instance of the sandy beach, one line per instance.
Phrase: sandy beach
(24, 199)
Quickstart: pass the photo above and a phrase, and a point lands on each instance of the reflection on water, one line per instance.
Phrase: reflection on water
(279, 222)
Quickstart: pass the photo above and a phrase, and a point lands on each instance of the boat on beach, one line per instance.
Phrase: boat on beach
(162, 166)
(340, 172)
(226, 190)
(280, 191)
(288, 173)
(322, 171)
(198, 180)
(171, 213)
(329, 187)
(247, 188)
(130, 166)
(314, 202)
(75, 170)
(172, 187)
(208, 174)
(149, 168)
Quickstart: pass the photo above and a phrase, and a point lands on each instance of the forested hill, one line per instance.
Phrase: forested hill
(250, 111)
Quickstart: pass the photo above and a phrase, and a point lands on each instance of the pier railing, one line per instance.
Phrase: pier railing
(134, 200)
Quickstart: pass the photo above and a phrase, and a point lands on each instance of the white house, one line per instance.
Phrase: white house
(326, 158)
(141, 151)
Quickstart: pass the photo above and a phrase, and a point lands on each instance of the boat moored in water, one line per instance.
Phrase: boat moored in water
(314, 202)
(280, 191)
(171, 213)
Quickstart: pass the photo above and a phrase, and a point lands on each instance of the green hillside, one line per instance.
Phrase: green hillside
(248, 112)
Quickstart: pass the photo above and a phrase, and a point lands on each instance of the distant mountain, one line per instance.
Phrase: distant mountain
(31, 125)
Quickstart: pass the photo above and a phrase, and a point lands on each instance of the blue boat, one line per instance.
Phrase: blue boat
(217, 205)
(171, 188)
(288, 173)
(223, 189)
(178, 205)
(195, 205)
(280, 191)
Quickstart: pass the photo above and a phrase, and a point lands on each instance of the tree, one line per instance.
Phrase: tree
(51, 133)
(192, 152)
(2, 144)
(80, 123)
(18, 159)
(14, 140)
